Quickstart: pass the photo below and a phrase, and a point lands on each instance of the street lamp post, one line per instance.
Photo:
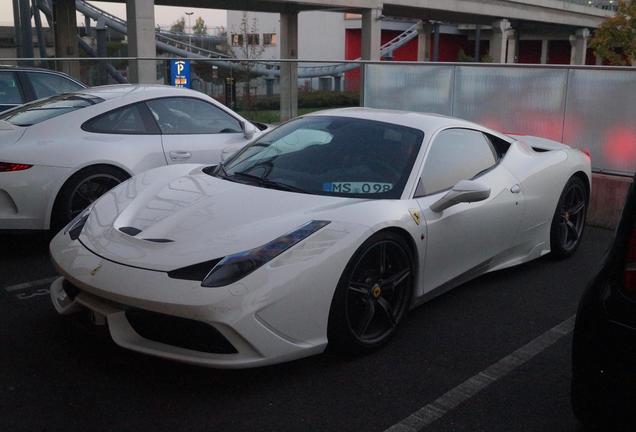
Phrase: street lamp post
(189, 14)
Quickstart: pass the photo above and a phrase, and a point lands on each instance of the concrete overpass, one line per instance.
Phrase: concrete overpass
(576, 14)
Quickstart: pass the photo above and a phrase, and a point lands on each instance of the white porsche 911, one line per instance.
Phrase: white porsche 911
(59, 154)
(326, 230)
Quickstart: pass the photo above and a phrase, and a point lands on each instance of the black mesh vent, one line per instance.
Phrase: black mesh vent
(196, 272)
(179, 332)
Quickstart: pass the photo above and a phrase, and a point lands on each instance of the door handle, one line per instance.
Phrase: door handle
(180, 155)
(515, 189)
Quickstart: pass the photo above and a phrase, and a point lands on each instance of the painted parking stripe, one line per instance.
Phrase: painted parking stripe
(32, 284)
(435, 410)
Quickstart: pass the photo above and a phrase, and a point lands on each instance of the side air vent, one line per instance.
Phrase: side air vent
(131, 231)
(159, 240)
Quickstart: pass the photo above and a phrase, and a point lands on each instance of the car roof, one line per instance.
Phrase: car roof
(138, 90)
(427, 122)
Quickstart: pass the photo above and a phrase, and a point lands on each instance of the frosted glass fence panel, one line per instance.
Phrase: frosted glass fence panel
(512, 100)
(601, 117)
(591, 109)
(430, 87)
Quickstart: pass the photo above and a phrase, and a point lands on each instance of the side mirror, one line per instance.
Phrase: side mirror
(248, 130)
(463, 191)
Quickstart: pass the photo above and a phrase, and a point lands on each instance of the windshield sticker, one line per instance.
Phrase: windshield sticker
(357, 187)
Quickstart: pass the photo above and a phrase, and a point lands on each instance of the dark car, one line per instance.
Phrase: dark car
(604, 344)
(24, 84)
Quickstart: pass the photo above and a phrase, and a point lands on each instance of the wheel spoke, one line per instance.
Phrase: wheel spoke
(359, 288)
(382, 258)
(577, 208)
(369, 313)
(388, 310)
(572, 229)
(393, 281)
(83, 196)
(564, 233)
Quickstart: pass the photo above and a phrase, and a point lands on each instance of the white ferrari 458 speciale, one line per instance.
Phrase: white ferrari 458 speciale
(324, 231)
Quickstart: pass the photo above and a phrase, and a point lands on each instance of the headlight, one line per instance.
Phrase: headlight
(75, 227)
(234, 267)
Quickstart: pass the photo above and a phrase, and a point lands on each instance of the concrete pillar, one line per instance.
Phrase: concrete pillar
(371, 34)
(324, 83)
(511, 53)
(269, 86)
(477, 56)
(337, 83)
(545, 50)
(25, 27)
(499, 40)
(65, 33)
(424, 34)
(578, 43)
(102, 50)
(140, 15)
(436, 42)
(288, 71)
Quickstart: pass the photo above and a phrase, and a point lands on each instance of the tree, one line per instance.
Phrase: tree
(250, 48)
(615, 39)
(178, 26)
(199, 28)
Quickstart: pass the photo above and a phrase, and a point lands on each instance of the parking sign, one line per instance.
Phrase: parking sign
(180, 73)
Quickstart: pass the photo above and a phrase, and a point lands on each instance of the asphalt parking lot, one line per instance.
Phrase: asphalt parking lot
(63, 374)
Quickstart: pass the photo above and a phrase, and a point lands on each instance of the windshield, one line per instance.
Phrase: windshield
(44, 109)
(324, 155)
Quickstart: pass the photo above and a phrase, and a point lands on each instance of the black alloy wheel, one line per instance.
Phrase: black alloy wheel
(81, 190)
(373, 295)
(569, 219)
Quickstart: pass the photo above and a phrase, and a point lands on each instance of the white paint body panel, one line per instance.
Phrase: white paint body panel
(280, 311)
(61, 148)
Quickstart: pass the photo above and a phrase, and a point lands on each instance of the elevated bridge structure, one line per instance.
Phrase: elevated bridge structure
(580, 16)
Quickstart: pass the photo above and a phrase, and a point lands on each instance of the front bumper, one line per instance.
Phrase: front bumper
(264, 317)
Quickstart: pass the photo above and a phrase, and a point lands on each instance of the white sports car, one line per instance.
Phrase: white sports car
(59, 154)
(326, 230)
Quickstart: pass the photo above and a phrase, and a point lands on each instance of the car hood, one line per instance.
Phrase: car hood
(178, 215)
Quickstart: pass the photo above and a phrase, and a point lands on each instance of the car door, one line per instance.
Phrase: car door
(464, 239)
(193, 130)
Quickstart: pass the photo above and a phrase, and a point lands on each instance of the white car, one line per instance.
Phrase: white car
(57, 155)
(326, 230)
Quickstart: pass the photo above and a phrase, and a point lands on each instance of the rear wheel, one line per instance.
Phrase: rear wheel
(81, 190)
(569, 219)
(373, 295)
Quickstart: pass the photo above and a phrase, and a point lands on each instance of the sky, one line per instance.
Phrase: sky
(164, 15)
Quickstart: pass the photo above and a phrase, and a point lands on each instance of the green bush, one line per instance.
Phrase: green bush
(318, 99)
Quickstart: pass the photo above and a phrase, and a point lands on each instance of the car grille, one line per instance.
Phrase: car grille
(179, 332)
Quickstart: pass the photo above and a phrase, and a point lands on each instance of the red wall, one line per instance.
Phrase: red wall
(559, 52)
(530, 51)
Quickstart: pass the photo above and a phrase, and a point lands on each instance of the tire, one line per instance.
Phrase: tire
(373, 295)
(80, 190)
(569, 218)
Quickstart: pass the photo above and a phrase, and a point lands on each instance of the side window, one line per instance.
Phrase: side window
(47, 84)
(124, 120)
(9, 90)
(182, 115)
(456, 154)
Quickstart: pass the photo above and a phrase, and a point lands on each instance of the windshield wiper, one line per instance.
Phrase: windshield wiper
(265, 182)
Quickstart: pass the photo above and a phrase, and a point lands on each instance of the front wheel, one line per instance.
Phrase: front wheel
(373, 295)
(568, 221)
